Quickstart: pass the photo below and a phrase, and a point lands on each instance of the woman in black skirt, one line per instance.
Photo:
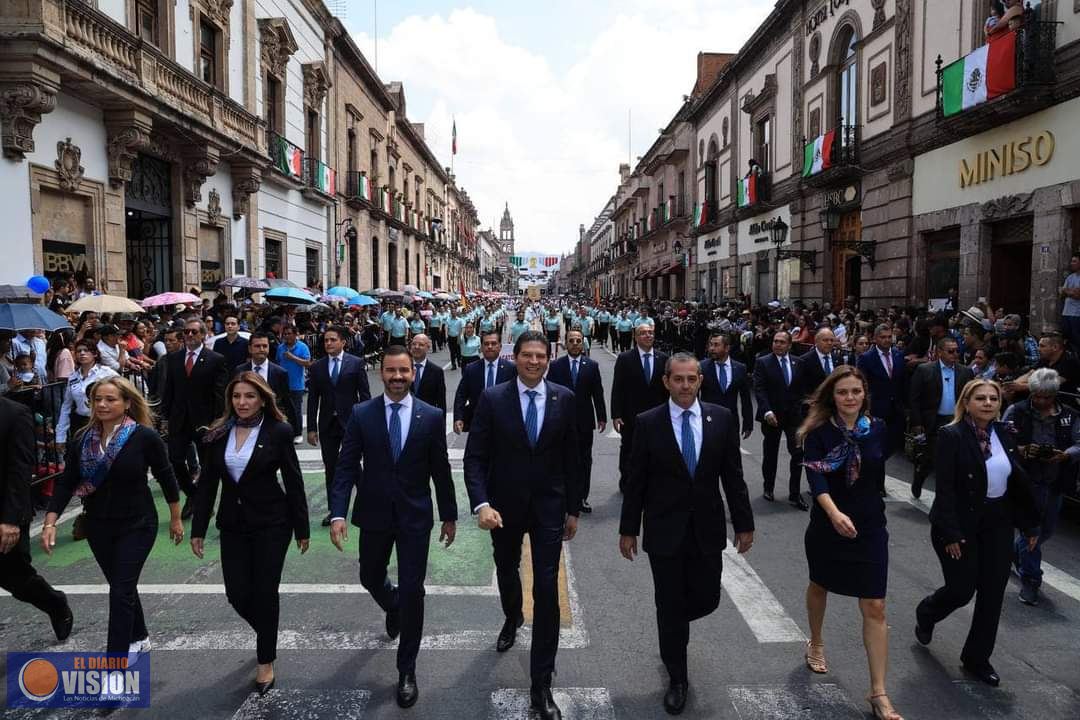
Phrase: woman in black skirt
(847, 545)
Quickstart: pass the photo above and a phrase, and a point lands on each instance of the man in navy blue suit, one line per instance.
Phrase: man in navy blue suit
(335, 383)
(883, 366)
(477, 377)
(777, 380)
(275, 376)
(523, 474)
(637, 386)
(429, 381)
(724, 381)
(394, 448)
(582, 375)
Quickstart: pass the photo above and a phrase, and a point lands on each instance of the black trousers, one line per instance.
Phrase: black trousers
(686, 587)
(553, 342)
(602, 334)
(626, 444)
(251, 564)
(983, 572)
(121, 548)
(181, 440)
(585, 446)
(926, 464)
(545, 544)
(330, 447)
(18, 577)
(625, 337)
(770, 450)
(455, 351)
(407, 598)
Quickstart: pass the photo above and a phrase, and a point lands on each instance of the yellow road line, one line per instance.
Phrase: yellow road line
(565, 620)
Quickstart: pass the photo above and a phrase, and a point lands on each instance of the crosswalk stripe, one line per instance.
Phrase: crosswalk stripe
(285, 589)
(762, 612)
(1056, 578)
(827, 700)
(575, 703)
(342, 704)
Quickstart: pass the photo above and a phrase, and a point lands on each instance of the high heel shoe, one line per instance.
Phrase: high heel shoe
(882, 709)
(816, 660)
(264, 687)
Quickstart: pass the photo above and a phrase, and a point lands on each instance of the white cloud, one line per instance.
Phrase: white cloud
(550, 143)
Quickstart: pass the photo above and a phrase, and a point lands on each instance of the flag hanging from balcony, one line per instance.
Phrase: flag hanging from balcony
(290, 159)
(818, 154)
(667, 211)
(980, 75)
(325, 178)
(747, 191)
(365, 188)
(701, 215)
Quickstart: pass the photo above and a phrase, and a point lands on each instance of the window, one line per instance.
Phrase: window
(391, 265)
(350, 151)
(682, 194)
(311, 134)
(846, 80)
(418, 275)
(374, 172)
(208, 52)
(314, 277)
(762, 142)
(273, 104)
(712, 176)
(942, 264)
(406, 263)
(272, 250)
(374, 262)
(146, 21)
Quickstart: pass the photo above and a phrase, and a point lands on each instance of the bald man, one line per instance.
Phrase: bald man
(819, 363)
(429, 383)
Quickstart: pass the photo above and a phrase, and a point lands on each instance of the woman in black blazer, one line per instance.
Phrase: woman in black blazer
(246, 449)
(982, 494)
(106, 465)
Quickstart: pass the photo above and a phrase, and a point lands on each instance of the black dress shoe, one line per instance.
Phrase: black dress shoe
(188, 510)
(586, 507)
(508, 634)
(923, 633)
(264, 687)
(393, 624)
(916, 488)
(62, 623)
(675, 697)
(406, 690)
(543, 704)
(326, 520)
(984, 672)
(797, 502)
(768, 495)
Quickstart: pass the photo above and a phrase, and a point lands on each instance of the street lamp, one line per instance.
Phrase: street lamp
(778, 231)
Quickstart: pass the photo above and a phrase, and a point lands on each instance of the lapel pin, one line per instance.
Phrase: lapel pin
(708, 418)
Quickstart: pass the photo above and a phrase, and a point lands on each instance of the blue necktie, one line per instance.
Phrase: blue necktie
(573, 373)
(784, 368)
(689, 451)
(395, 431)
(334, 371)
(531, 419)
(828, 365)
(416, 380)
(721, 370)
(490, 375)
(648, 367)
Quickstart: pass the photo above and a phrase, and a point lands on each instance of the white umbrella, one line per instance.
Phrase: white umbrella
(105, 304)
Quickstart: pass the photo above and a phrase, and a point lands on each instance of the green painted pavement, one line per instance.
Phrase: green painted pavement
(468, 562)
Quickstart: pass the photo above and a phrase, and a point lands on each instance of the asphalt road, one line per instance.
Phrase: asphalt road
(745, 659)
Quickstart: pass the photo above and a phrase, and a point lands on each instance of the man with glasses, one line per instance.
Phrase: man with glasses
(934, 389)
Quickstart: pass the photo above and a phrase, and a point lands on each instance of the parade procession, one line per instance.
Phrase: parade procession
(294, 426)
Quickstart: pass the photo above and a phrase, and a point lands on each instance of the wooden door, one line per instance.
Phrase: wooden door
(846, 279)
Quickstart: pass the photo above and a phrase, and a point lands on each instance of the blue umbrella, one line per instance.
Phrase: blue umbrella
(291, 295)
(362, 300)
(21, 316)
(425, 294)
(340, 291)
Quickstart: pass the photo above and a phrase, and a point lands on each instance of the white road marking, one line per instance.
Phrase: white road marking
(818, 700)
(284, 588)
(447, 365)
(612, 434)
(309, 454)
(449, 423)
(575, 703)
(71, 512)
(342, 704)
(766, 617)
(1056, 578)
(744, 451)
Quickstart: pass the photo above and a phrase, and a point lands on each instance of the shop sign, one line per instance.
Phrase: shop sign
(1011, 158)
(841, 196)
(211, 274)
(823, 13)
(62, 257)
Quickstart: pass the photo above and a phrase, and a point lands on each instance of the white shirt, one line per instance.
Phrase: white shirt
(541, 401)
(188, 351)
(491, 366)
(652, 361)
(75, 399)
(262, 370)
(695, 424)
(886, 363)
(821, 359)
(998, 468)
(404, 415)
(330, 359)
(727, 372)
(110, 356)
(419, 367)
(236, 460)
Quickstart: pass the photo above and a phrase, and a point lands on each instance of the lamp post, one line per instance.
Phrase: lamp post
(778, 232)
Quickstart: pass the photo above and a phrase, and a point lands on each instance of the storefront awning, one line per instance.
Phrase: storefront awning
(670, 269)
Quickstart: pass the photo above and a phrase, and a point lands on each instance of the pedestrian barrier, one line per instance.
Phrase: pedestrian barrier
(44, 402)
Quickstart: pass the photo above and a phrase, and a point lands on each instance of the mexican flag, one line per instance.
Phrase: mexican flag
(325, 179)
(667, 211)
(818, 154)
(365, 188)
(701, 215)
(980, 75)
(747, 191)
(290, 159)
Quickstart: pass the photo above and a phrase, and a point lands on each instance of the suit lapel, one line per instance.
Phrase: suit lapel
(673, 442)
(510, 397)
(709, 438)
(551, 416)
(414, 423)
(382, 432)
(256, 452)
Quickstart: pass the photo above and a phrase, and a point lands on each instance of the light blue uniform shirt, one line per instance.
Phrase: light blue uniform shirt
(470, 346)
(948, 390)
(454, 326)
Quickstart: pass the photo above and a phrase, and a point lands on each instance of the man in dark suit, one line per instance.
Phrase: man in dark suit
(582, 375)
(819, 363)
(683, 452)
(724, 381)
(886, 374)
(638, 386)
(194, 398)
(335, 383)
(394, 448)
(429, 381)
(777, 380)
(523, 474)
(935, 386)
(17, 575)
(232, 347)
(274, 375)
(477, 377)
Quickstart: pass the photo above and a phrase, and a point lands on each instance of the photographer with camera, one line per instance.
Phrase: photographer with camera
(1048, 441)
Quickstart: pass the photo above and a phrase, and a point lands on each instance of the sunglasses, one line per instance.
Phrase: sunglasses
(192, 331)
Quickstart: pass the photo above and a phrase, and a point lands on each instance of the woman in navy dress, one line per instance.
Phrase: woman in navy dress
(847, 545)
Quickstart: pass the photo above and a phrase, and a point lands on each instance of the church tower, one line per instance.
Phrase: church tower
(506, 232)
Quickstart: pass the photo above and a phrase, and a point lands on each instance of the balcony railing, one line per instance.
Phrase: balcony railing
(754, 190)
(320, 176)
(832, 157)
(357, 186)
(286, 158)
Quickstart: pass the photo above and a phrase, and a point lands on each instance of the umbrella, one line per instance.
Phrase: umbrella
(291, 295)
(443, 296)
(318, 309)
(105, 304)
(18, 292)
(19, 316)
(281, 283)
(345, 292)
(425, 294)
(246, 283)
(392, 295)
(411, 289)
(170, 298)
(362, 300)
(377, 292)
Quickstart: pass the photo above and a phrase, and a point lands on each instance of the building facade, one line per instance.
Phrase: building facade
(599, 238)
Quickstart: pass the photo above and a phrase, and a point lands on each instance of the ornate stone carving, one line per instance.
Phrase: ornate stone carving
(903, 33)
(879, 12)
(21, 107)
(798, 142)
(815, 54)
(276, 45)
(217, 10)
(68, 157)
(878, 83)
(752, 103)
(1008, 206)
(241, 193)
(213, 207)
(198, 167)
(123, 146)
(316, 84)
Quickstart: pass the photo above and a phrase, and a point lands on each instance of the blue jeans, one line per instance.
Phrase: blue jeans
(1071, 328)
(1029, 562)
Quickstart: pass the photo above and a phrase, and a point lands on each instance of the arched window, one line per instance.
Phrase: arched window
(847, 79)
(712, 176)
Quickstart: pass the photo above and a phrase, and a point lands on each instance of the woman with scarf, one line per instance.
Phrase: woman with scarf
(246, 449)
(107, 464)
(847, 545)
(982, 494)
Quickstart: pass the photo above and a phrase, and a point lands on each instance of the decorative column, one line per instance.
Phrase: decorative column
(128, 134)
(24, 97)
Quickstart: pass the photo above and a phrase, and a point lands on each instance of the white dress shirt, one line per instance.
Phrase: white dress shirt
(420, 367)
(727, 372)
(188, 351)
(110, 356)
(541, 402)
(886, 363)
(822, 357)
(262, 371)
(404, 415)
(491, 366)
(75, 400)
(236, 459)
(695, 424)
(998, 468)
(652, 361)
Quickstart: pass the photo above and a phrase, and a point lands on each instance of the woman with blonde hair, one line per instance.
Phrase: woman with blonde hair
(107, 463)
(847, 545)
(982, 493)
(246, 449)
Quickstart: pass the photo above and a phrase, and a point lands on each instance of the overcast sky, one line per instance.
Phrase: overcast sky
(542, 91)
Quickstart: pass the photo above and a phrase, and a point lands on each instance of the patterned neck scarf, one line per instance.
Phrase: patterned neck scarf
(234, 421)
(94, 464)
(982, 435)
(846, 454)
